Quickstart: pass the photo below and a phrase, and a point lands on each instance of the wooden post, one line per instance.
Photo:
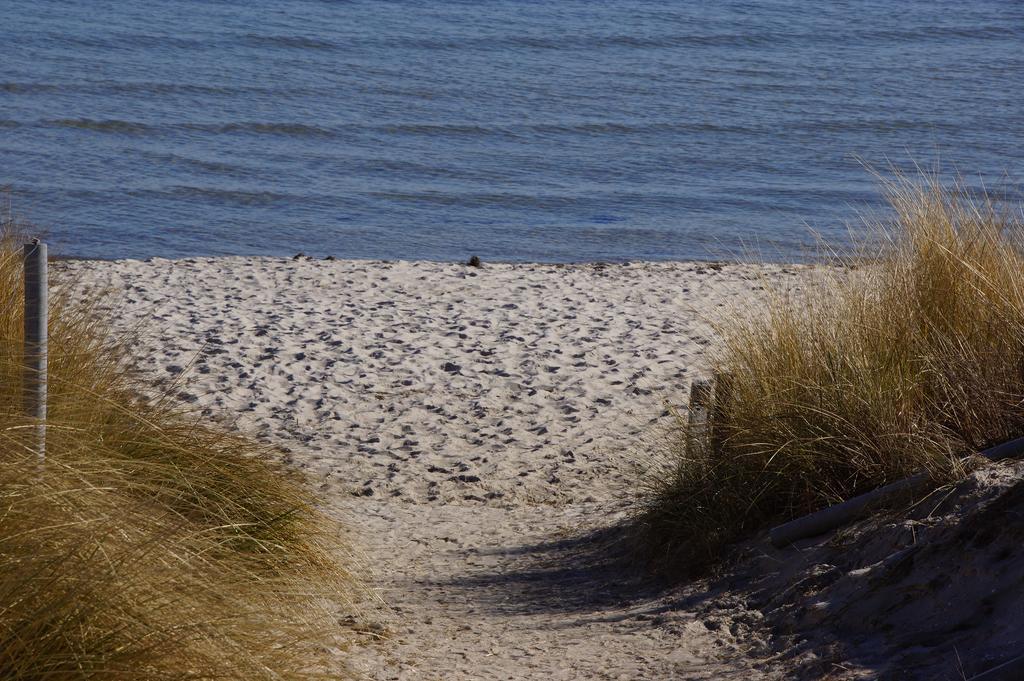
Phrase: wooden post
(708, 397)
(698, 415)
(36, 320)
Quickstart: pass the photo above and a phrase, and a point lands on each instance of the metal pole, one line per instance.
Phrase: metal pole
(36, 319)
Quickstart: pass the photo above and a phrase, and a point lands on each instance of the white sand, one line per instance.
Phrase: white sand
(431, 383)
(476, 426)
(471, 423)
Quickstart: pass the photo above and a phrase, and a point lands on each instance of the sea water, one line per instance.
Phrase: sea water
(566, 130)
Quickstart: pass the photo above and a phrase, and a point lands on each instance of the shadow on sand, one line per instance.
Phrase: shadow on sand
(593, 573)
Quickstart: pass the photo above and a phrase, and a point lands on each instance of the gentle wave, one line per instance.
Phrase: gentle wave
(941, 33)
(115, 87)
(128, 40)
(258, 128)
(28, 88)
(517, 42)
(599, 42)
(438, 198)
(482, 43)
(585, 128)
(877, 125)
(215, 167)
(111, 125)
(296, 42)
(357, 43)
(239, 198)
(617, 128)
(210, 194)
(139, 128)
(441, 129)
(537, 200)
(596, 128)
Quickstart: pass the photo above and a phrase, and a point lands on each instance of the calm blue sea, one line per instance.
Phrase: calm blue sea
(563, 130)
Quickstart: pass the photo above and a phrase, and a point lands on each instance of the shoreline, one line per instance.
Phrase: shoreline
(795, 262)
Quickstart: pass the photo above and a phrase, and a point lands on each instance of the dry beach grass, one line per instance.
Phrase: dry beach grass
(149, 545)
(908, 357)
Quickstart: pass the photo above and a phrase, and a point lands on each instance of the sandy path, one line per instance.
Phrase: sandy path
(523, 594)
(474, 425)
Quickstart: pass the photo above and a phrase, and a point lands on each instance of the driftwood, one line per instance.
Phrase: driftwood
(834, 516)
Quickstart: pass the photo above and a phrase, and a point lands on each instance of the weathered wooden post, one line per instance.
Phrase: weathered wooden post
(36, 319)
(705, 431)
(699, 416)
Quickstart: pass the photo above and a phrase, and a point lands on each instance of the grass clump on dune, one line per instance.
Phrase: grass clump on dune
(149, 545)
(906, 358)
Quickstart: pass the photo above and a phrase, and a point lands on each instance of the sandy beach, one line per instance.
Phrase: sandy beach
(479, 428)
(470, 424)
(426, 383)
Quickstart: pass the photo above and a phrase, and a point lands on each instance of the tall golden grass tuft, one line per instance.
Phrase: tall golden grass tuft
(149, 545)
(905, 358)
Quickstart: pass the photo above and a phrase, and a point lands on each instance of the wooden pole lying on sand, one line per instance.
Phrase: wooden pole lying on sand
(834, 516)
(36, 320)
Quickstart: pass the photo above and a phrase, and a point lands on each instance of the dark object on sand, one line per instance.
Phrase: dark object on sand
(475, 261)
(299, 256)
